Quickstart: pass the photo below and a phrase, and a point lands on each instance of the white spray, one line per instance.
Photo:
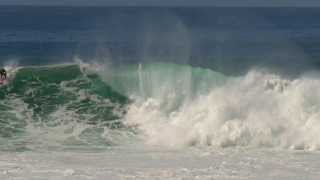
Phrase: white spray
(258, 110)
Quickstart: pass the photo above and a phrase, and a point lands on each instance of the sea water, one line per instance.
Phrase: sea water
(159, 92)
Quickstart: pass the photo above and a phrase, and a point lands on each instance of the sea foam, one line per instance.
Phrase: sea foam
(259, 109)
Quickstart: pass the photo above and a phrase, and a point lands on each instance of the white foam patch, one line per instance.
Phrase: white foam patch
(89, 68)
(260, 110)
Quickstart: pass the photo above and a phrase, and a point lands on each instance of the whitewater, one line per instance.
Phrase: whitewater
(125, 93)
(158, 120)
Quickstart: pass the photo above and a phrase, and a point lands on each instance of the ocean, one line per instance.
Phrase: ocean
(160, 92)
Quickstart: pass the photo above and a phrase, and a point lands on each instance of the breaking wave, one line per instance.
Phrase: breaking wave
(170, 105)
(259, 109)
(53, 105)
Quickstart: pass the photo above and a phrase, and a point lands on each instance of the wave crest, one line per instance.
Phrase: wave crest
(259, 109)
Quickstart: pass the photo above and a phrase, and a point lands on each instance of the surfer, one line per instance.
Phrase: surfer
(3, 74)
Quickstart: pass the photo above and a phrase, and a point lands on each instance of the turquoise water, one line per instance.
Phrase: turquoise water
(36, 95)
(160, 92)
(64, 106)
(213, 72)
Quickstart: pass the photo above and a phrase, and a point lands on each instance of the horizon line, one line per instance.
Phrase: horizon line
(151, 6)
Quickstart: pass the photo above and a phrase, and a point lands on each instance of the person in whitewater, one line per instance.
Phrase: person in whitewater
(3, 74)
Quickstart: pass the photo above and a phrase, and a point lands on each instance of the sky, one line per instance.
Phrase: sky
(298, 3)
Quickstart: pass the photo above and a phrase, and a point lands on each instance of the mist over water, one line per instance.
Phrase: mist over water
(228, 40)
(171, 77)
(253, 91)
(259, 109)
(160, 93)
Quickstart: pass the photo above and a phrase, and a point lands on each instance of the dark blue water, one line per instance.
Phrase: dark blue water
(230, 40)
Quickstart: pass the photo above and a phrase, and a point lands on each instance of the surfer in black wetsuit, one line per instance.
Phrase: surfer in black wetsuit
(3, 74)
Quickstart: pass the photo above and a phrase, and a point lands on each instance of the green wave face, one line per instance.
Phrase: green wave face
(60, 106)
(154, 79)
(55, 96)
(172, 84)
